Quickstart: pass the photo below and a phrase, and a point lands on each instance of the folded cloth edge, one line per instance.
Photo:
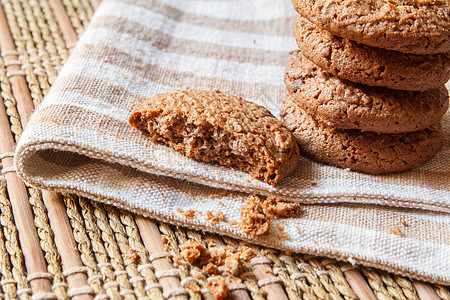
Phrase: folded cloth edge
(352, 259)
(25, 152)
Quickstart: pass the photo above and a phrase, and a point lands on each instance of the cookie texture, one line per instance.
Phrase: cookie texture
(369, 65)
(217, 127)
(347, 105)
(410, 26)
(367, 152)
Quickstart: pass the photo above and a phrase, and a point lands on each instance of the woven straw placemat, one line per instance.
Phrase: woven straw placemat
(65, 246)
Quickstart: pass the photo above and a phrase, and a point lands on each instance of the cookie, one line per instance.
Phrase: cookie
(217, 127)
(409, 26)
(347, 105)
(368, 65)
(367, 152)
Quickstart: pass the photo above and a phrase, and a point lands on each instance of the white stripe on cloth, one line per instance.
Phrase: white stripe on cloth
(232, 10)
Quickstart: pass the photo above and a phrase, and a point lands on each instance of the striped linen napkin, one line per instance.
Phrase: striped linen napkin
(79, 140)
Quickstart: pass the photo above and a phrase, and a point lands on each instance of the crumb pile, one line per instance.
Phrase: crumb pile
(195, 253)
(224, 263)
(256, 214)
(366, 87)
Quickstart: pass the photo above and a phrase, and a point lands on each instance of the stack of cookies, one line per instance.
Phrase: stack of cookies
(366, 89)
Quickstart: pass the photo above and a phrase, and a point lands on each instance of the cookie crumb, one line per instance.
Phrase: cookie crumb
(253, 219)
(233, 223)
(404, 223)
(195, 253)
(164, 239)
(256, 214)
(219, 217)
(284, 235)
(396, 230)
(234, 264)
(190, 213)
(194, 287)
(218, 255)
(280, 227)
(275, 207)
(211, 269)
(247, 254)
(133, 255)
(218, 287)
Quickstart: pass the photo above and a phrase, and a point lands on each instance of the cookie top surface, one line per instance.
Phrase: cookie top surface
(369, 65)
(347, 105)
(215, 126)
(366, 152)
(410, 26)
(232, 113)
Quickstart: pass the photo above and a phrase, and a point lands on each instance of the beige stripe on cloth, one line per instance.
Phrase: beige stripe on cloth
(79, 141)
(165, 42)
(138, 67)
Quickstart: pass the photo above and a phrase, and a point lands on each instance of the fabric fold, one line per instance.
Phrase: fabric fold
(79, 140)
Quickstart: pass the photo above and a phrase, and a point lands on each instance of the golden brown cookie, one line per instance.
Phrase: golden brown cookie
(347, 105)
(367, 152)
(409, 26)
(369, 65)
(217, 127)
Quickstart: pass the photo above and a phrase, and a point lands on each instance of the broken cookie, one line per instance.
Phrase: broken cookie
(217, 127)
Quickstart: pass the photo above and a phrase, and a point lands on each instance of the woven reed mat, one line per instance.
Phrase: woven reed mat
(61, 246)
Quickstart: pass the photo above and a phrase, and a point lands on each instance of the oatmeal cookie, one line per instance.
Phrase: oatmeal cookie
(367, 152)
(347, 105)
(409, 26)
(217, 127)
(372, 66)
